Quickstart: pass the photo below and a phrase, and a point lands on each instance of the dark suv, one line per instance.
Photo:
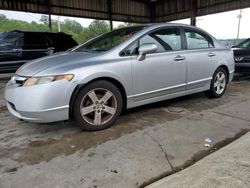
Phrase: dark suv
(18, 47)
(242, 56)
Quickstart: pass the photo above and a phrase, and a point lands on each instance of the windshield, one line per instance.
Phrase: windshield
(110, 40)
(8, 40)
(244, 44)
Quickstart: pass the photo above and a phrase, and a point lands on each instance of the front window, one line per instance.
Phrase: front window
(165, 39)
(168, 39)
(244, 44)
(110, 40)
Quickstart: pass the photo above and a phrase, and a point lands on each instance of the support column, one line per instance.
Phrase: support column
(152, 7)
(49, 12)
(109, 2)
(193, 21)
(50, 23)
(193, 13)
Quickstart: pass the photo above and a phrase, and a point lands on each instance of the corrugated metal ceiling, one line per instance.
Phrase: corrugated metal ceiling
(139, 11)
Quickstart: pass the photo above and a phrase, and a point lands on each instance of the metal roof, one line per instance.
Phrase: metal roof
(138, 11)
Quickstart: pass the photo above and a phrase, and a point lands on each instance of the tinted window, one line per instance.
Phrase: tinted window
(61, 42)
(244, 44)
(36, 39)
(9, 40)
(165, 39)
(198, 41)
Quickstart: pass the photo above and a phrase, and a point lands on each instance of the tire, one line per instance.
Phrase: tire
(97, 106)
(218, 84)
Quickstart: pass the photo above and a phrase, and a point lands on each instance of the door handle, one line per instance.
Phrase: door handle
(16, 50)
(211, 54)
(179, 58)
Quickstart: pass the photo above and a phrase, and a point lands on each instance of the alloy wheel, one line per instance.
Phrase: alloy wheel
(98, 106)
(220, 82)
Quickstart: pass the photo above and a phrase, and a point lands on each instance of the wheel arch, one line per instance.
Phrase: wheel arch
(79, 87)
(226, 69)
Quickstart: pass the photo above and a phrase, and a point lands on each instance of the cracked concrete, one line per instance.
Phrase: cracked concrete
(228, 167)
(60, 155)
(163, 151)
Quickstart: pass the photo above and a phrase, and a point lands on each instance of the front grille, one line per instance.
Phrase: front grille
(247, 58)
(19, 82)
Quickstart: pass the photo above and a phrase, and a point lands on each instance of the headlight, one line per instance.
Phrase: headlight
(46, 79)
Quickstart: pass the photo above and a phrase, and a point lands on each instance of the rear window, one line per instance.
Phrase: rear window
(36, 39)
(62, 42)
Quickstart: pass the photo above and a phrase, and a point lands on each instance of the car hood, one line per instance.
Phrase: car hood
(241, 51)
(57, 60)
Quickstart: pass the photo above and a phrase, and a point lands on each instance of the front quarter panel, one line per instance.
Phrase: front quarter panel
(118, 68)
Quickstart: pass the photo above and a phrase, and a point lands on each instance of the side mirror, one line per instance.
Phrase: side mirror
(146, 49)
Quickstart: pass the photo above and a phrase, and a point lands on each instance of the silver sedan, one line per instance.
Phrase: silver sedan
(122, 69)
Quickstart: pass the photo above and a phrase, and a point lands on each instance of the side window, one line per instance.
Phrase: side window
(36, 40)
(198, 41)
(149, 39)
(9, 40)
(131, 50)
(165, 39)
(171, 39)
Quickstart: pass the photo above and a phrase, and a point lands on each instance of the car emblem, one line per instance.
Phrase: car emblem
(239, 58)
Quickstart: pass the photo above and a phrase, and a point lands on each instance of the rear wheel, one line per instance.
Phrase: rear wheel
(218, 83)
(97, 106)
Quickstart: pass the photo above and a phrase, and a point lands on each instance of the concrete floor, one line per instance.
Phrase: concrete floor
(146, 142)
(227, 168)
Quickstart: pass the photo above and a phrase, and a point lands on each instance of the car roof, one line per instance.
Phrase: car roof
(165, 24)
(42, 32)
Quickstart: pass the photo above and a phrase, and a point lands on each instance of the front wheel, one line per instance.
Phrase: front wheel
(97, 106)
(218, 83)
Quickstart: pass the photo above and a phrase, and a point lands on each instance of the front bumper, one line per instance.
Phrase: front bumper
(242, 67)
(40, 103)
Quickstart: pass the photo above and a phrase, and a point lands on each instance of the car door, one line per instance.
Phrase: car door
(163, 72)
(200, 55)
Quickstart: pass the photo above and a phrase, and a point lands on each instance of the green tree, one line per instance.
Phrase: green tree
(72, 25)
(97, 27)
